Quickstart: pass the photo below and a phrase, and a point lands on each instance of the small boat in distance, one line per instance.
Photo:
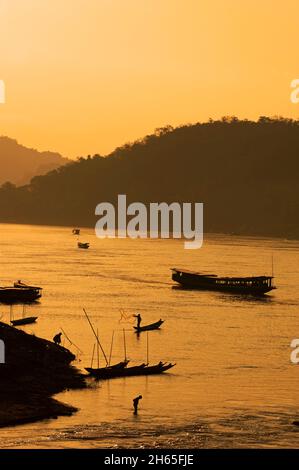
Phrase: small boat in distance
(255, 285)
(76, 231)
(152, 326)
(83, 245)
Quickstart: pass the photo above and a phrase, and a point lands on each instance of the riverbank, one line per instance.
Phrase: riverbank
(33, 371)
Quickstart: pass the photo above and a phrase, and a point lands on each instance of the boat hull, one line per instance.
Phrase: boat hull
(102, 370)
(19, 294)
(23, 321)
(142, 369)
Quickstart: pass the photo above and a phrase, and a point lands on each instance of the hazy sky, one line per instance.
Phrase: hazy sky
(85, 76)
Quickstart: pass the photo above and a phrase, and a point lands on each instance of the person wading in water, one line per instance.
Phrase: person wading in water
(136, 403)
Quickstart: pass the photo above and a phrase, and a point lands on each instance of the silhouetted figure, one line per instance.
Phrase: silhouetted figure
(136, 403)
(139, 319)
(57, 338)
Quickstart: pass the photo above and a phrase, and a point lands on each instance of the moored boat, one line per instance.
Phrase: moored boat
(151, 326)
(20, 294)
(95, 371)
(256, 285)
(24, 321)
(142, 369)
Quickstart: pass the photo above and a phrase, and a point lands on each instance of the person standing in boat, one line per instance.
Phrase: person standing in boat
(136, 403)
(139, 320)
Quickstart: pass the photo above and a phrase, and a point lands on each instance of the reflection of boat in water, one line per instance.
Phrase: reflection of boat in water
(142, 369)
(20, 292)
(152, 326)
(255, 285)
(83, 245)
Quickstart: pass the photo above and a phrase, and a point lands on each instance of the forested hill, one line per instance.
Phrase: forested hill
(18, 164)
(245, 172)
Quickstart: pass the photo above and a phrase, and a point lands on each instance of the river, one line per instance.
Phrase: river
(233, 384)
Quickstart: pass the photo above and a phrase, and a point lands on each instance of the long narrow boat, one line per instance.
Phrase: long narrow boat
(95, 371)
(152, 326)
(142, 369)
(256, 285)
(23, 321)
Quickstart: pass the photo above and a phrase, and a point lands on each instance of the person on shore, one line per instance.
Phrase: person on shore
(136, 403)
(57, 338)
(139, 319)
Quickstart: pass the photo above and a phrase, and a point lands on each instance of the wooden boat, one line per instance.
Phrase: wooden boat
(20, 294)
(142, 369)
(255, 285)
(152, 326)
(83, 245)
(76, 231)
(95, 371)
(120, 369)
(23, 321)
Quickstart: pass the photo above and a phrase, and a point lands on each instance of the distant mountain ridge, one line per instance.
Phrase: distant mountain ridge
(18, 164)
(245, 172)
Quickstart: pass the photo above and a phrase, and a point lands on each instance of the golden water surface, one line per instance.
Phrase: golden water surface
(234, 384)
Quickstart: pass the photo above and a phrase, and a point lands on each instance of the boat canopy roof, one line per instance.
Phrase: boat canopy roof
(232, 278)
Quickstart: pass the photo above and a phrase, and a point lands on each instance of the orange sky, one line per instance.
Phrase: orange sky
(85, 76)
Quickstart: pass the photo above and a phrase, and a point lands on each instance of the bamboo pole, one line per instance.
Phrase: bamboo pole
(98, 356)
(125, 346)
(94, 345)
(73, 344)
(98, 341)
(147, 354)
(110, 355)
